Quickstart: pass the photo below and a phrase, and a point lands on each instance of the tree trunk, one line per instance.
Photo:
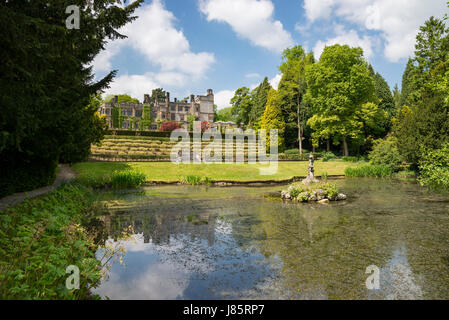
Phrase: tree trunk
(345, 147)
(328, 146)
(299, 130)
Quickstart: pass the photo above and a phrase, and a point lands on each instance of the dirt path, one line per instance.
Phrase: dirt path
(65, 173)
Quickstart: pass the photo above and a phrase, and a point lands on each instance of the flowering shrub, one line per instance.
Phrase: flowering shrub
(169, 126)
(205, 126)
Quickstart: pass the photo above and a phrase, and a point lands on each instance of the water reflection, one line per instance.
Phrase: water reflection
(218, 243)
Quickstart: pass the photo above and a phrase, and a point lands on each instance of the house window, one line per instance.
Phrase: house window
(173, 116)
(181, 117)
(173, 108)
(138, 113)
(187, 109)
(163, 115)
(130, 112)
(179, 109)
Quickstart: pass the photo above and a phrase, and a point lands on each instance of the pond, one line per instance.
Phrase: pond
(242, 243)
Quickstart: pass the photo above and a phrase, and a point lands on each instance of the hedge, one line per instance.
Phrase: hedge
(159, 134)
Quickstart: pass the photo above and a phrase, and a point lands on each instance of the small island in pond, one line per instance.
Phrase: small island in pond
(310, 189)
(320, 192)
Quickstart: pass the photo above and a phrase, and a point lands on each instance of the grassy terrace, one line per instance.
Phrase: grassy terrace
(170, 172)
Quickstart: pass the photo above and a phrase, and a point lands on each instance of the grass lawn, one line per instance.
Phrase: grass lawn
(170, 172)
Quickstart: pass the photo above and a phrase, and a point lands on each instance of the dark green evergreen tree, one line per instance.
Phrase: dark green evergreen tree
(396, 97)
(424, 124)
(46, 81)
(407, 83)
(260, 96)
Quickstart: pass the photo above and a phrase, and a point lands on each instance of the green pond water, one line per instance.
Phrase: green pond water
(243, 243)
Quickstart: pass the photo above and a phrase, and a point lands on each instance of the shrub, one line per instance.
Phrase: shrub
(40, 238)
(295, 151)
(350, 159)
(379, 171)
(296, 189)
(434, 168)
(328, 156)
(205, 126)
(24, 173)
(330, 188)
(385, 152)
(169, 126)
(296, 157)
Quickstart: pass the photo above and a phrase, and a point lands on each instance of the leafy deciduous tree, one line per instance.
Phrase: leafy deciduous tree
(242, 103)
(292, 89)
(339, 85)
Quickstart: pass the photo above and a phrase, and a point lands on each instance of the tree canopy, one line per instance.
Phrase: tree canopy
(339, 87)
(273, 119)
(242, 103)
(259, 98)
(292, 89)
(46, 81)
(423, 121)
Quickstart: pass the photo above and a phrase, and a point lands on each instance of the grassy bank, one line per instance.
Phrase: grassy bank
(170, 172)
(40, 238)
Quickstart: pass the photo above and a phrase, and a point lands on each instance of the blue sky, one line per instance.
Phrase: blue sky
(191, 45)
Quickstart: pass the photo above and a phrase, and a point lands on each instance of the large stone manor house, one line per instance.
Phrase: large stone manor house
(202, 107)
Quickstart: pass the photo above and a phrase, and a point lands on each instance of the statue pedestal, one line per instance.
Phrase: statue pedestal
(311, 174)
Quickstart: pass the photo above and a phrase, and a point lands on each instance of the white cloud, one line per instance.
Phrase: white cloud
(222, 98)
(252, 75)
(171, 78)
(250, 19)
(318, 9)
(351, 38)
(397, 21)
(154, 35)
(102, 61)
(134, 85)
(275, 81)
